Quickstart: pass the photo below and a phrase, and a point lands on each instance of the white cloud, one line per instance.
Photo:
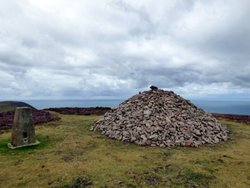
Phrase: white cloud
(113, 48)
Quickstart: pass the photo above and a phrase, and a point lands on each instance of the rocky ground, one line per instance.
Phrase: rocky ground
(161, 118)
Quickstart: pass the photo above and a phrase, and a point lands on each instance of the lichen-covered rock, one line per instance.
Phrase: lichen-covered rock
(161, 118)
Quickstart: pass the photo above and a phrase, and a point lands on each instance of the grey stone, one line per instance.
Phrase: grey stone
(23, 130)
(197, 132)
(153, 137)
(147, 112)
(161, 118)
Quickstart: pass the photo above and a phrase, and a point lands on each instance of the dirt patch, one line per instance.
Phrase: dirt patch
(151, 180)
(72, 153)
(164, 169)
(68, 156)
(189, 179)
(147, 179)
(79, 182)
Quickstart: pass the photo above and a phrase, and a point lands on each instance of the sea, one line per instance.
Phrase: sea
(225, 107)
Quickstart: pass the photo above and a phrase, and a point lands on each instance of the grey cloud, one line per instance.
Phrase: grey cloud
(115, 48)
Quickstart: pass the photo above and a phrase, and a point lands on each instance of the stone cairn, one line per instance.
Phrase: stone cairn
(161, 118)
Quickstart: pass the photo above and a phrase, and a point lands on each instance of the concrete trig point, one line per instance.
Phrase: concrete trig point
(23, 130)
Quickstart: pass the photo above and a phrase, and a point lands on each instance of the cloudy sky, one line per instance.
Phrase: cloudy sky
(73, 49)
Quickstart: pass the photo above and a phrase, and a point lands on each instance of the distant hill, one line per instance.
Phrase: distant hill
(7, 112)
(11, 105)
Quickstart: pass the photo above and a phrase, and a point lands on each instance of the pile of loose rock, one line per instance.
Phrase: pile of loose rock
(161, 118)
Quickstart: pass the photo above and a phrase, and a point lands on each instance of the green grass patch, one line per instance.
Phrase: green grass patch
(70, 155)
(44, 142)
(6, 108)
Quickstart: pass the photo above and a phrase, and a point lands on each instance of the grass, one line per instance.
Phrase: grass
(6, 108)
(72, 156)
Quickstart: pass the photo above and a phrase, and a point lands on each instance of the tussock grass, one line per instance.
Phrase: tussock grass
(72, 156)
